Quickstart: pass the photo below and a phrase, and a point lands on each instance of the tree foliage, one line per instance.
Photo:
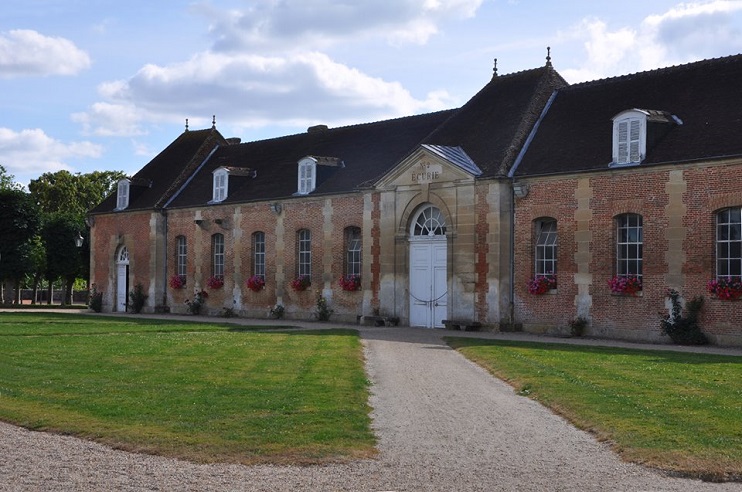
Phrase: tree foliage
(19, 223)
(7, 181)
(73, 193)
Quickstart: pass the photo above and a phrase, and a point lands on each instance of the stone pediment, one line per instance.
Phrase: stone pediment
(430, 164)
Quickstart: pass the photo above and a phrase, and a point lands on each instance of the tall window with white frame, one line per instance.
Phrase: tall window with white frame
(729, 243)
(181, 258)
(258, 254)
(353, 251)
(306, 178)
(546, 246)
(217, 256)
(304, 257)
(629, 245)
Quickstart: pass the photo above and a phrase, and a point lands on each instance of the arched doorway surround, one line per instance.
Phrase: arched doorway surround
(428, 268)
(122, 279)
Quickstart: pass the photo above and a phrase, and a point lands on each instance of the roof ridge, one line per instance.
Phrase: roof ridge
(653, 72)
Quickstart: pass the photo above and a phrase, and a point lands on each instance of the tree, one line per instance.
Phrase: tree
(7, 181)
(63, 257)
(73, 193)
(19, 223)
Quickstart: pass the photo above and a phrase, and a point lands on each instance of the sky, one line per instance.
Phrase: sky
(106, 85)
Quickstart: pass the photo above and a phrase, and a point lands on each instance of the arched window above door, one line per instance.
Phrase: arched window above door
(429, 222)
(123, 257)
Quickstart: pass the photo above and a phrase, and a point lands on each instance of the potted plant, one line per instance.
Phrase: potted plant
(541, 284)
(350, 282)
(177, 282)
(215, 282)
(726, 288)
(625, 284)
(256, 283)
(300, 283)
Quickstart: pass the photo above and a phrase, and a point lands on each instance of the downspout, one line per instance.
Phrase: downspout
(165, 307)
(511, 175)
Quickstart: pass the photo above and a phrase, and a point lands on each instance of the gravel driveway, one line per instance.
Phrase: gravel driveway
(443, 424)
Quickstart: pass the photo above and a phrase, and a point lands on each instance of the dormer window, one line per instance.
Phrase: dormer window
(122, 195)
(221, 176)
(307, 179)
(629, 137)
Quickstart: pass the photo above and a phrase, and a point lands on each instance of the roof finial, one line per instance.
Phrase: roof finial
(186, 124)
(548, 56)
(213, 121)
(494, 69)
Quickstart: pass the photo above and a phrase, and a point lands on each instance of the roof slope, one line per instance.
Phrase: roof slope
(159, 180)
(576, 133)
(494, 124)
(366, 151)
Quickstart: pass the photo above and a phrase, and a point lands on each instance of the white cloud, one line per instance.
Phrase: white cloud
(685, 33)
(32, 152)
(313, 24)
(28, 53)
(110, 120)
(252, 90)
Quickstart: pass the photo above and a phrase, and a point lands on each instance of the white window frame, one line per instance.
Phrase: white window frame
(304, 253)
(729, 243)
(629, 245)
(545, 247)
(629, 137)
(306, 176)
(353, 245)
(122, 194)
(181, 258)
(217, 255)
(258, 254)
(220, 185)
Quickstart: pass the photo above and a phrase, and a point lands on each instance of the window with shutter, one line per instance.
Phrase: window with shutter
(307, 176)
(220, 185)
(629, 137)
(122, 199)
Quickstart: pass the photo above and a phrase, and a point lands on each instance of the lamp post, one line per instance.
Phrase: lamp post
(78, 240)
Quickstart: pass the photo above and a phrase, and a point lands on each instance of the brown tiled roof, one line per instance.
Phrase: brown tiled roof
(576, 132)
(167, 172)
(494, 124)
(366, 151)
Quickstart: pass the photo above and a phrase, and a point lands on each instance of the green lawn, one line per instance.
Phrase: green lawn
(676, 411)
(199, 391)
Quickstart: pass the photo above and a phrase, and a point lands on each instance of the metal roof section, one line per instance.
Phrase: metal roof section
(456, 156)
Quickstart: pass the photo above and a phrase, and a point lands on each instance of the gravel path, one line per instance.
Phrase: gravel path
(443, 424)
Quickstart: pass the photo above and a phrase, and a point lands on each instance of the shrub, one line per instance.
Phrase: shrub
(229, 313)
(684, 330)
(138, 298)
(96, 300)
(199, 299)
(277, 311)
(577, 326)
(323, 311)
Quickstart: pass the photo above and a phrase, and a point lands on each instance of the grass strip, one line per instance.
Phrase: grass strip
(194, 391)
(681, 412)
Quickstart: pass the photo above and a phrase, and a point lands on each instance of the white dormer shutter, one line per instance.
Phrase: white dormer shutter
(306, 181)
(122, 198)
(635, 141)
(629, 137)
(220, 185)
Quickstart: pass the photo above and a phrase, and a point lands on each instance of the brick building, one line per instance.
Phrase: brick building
(449, 215)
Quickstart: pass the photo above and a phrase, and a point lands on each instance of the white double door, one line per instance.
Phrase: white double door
(428, 282)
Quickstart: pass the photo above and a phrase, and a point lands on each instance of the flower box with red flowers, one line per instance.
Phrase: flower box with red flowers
(726, 288)
(177, 282)
(256, 283)
(300, 283)
(350, 282)
(541, 284)
(215, 282)
(625, 284)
